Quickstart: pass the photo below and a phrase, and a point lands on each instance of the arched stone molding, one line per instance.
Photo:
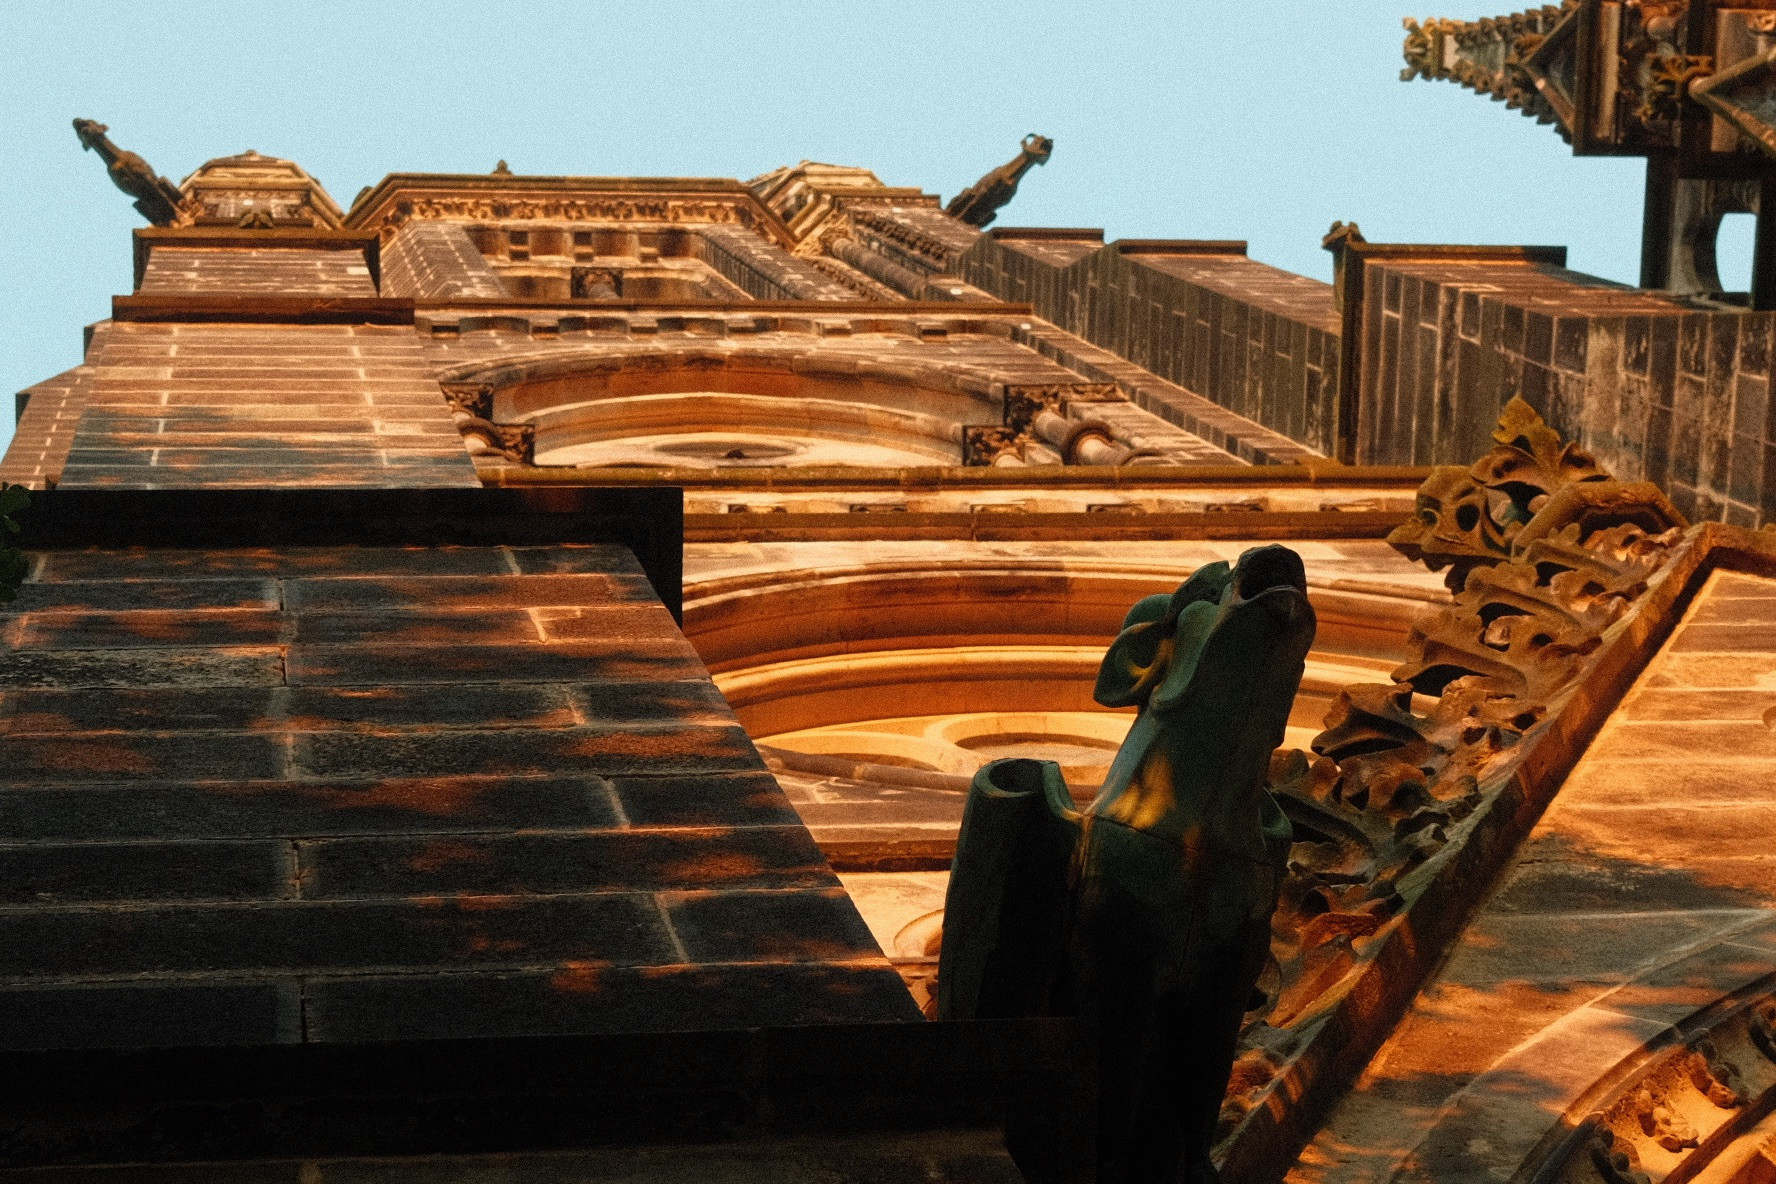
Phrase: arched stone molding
(917, 379)
(932, 664)
(859, 703)
(753, 619)
(709, 429)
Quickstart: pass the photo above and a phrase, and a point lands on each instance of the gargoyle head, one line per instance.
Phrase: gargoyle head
(1038, 148)
(1153, 659)
(90, 131)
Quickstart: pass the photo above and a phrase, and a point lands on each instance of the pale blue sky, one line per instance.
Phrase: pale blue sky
(1194, 118)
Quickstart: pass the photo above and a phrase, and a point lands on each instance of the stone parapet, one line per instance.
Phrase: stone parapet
(1238, 334)
(1658, 387)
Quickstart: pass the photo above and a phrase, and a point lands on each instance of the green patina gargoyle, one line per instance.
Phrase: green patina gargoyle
(1147, 912)
(13, 564)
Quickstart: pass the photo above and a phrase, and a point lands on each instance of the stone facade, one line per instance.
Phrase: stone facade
(572, 608)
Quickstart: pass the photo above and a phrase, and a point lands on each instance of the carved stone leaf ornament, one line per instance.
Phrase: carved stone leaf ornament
(1467, 518)
(477, 208)
(1548, 554)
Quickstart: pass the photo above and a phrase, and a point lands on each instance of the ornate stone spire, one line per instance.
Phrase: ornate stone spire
(1688, 84)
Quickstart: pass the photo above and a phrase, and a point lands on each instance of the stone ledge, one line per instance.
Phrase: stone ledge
(478, 1096)
(649, 521)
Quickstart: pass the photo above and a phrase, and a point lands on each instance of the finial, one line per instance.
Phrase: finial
(502, 169)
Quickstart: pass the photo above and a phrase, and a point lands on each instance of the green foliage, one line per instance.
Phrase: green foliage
(13, 564)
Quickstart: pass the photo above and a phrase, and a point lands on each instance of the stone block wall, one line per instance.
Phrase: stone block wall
(47, 415)
(253, 405)
(1659, 388)
(274, 271)
(1255, 340)
(1411, 360)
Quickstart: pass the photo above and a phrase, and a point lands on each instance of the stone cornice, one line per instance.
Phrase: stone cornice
(654, 201)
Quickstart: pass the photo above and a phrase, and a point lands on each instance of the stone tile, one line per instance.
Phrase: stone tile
(1673, 836)
(1454, 1033)
(480, 626)
(749, 857)
(1554, 875)
(500, 705)
(41, 710)
(604, 621)
(1730, 585)
(1683, 705)
(253, 809)
(786, 926)
(558, 662)
(691, 700)
(574, 559)
(646, 749)
(589, 997)
(1669, 740)
(1746, 630)
(1581, 947)
(154, 871)
(1715, 670)
(927, 1157)
(127, 756)
(303, 936)
(156, 629)
(462, 592)
(1703, 779)
(283, 1172)
(1761, 936)
(1499, 1118)
(272, 563)
(124, 594)
(149, 1015)
(739, 799)
(1674, 991)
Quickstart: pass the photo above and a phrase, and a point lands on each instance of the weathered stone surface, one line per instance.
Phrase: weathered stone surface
(1643, 899)
(256, 777)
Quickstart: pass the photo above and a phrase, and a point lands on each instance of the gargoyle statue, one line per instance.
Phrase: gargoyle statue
(1147, 912)
(979, 204)
(156, 197)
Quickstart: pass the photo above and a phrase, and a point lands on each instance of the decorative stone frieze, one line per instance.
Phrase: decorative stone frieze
(1552, 557)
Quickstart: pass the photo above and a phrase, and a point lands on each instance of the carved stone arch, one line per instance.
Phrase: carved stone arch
(530, 382)
(905, 407)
